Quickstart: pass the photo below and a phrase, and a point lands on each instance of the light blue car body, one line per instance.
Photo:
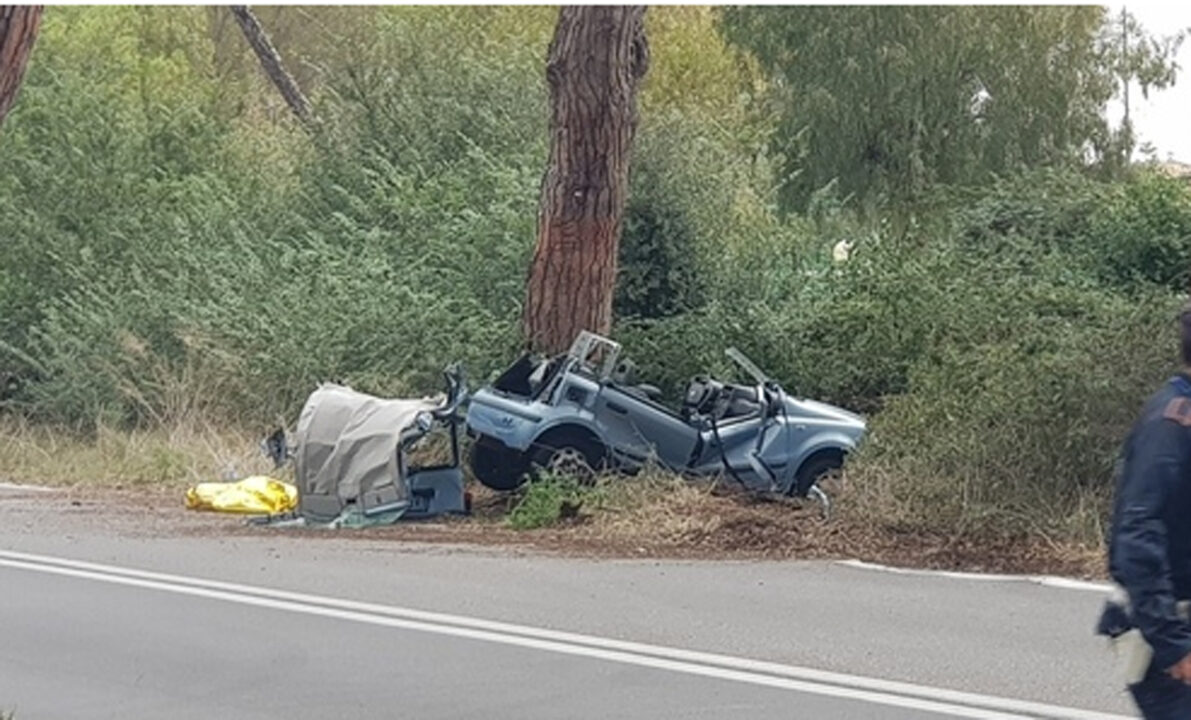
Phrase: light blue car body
(582, 398)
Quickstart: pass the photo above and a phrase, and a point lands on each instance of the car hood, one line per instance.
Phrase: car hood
(814, 409)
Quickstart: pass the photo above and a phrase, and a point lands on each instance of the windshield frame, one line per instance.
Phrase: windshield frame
(747, 365)
(588, 343)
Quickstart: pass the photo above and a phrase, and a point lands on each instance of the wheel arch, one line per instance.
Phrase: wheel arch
(836, 452)
(555, 435)
(825, 442)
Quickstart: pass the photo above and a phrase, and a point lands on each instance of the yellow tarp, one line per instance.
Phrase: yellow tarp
(253, 495)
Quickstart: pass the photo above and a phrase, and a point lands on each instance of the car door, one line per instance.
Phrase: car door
(755, 448)
(640, 430)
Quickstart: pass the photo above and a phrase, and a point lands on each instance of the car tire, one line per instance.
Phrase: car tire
(497, 466)
(818, 467)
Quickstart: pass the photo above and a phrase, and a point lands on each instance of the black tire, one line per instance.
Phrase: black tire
(571, 455)
(814, 469)
(496, 466)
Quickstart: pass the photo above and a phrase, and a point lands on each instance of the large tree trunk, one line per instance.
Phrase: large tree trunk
(18, 31)
(271, 63)
(597, 59)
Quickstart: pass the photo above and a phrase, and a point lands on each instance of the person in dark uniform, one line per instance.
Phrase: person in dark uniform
(1150, 548)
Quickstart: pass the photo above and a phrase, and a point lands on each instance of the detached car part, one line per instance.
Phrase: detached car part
(352, 454)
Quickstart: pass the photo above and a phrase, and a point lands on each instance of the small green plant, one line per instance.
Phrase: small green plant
(550, 500)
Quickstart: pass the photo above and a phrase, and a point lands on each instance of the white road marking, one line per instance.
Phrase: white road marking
(1047, 580)
(16, 488)
(725, 667)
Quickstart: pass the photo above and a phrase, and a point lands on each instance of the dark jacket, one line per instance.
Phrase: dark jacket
(1150, 546)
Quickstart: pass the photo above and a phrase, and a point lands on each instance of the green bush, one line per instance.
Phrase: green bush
(1142, 233)
(179, 261)
(1019, 434)
(145, 289)
(691, 191)
(550, 500)
(1130, 234)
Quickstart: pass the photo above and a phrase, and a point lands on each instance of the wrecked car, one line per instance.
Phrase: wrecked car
(583, 411)
(358, 459)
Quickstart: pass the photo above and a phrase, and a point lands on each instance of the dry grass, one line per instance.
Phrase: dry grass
(659, 515)
(660, 509)
(183, 454)
(937, 504)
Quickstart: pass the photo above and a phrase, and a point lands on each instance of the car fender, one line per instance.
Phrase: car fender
(513, 426)
(582, 421)
(519, 427)
(826, 440)
(818, 441)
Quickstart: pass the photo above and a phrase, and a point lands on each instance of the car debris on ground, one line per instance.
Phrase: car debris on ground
(354, 462)
(577, 414)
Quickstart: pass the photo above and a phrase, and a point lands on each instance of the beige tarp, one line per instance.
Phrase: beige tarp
(346, 443)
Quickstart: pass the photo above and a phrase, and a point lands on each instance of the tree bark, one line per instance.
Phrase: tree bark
(18, 32)
(271, 63)
(596, 62)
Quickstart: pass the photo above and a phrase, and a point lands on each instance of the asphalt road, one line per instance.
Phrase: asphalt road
(324, 627)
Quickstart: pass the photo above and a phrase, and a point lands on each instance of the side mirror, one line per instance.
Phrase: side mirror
(276, 448)
(456, 381)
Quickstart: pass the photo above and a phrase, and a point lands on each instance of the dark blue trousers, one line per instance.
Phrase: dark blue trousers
(1161, 697)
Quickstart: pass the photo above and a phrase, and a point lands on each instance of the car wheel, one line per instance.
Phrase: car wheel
(571, 458)
(822, 469)
(496, 466)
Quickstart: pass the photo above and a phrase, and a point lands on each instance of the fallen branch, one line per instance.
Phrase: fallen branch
(271, 63)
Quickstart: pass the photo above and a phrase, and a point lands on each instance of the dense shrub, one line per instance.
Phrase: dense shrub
(138, 274)
(1020, 434)
(1000, 364)
(1142, 233)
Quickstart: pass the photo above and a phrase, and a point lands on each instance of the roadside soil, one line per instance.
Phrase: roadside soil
(716, 526)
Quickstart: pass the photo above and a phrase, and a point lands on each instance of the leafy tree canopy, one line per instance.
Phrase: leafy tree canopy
(895, 99)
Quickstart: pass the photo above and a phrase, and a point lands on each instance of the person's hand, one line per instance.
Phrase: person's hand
(1182, 670)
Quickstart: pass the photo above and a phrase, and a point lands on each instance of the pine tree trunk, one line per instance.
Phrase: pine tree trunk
(597, 59)
(18, 32)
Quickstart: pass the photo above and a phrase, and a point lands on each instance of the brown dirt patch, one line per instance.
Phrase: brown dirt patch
(681, 522)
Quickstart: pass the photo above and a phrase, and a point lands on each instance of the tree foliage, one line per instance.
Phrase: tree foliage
(896, 99)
